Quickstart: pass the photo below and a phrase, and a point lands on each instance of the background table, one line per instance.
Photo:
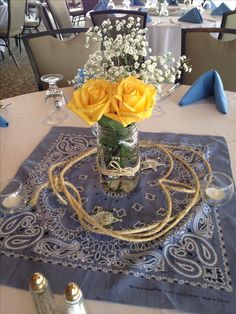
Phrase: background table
(164, 33)
(26, 130)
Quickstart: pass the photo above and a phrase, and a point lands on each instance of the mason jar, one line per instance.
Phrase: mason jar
(118, 158)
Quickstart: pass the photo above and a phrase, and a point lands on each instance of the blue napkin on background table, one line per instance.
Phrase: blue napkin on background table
(221, 9)
(208, 84)
(212, 6)
(149, 18)
(192, 16)
(173, 2)
(102, 5)
(137, 2)
(3, 122)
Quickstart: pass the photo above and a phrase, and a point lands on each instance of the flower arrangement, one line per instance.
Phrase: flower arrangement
(121, 80)
(117, 88)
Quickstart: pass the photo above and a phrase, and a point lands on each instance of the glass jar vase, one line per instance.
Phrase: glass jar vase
(118, 158)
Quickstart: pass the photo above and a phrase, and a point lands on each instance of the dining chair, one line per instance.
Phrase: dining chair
(76, 10)
(98, 17)
(15, 24)
(60, 13)
(32, 17)
(46, 16)
(89, 5)
(228, 21)
(48, 54)
(206, 52)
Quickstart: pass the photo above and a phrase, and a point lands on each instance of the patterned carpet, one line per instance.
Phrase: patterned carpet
(16, 81)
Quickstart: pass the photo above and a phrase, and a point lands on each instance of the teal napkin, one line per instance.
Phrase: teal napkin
(221, 9)
(208, 84)
(137, 2)
(3, 122)
(149, 18)
(192, 16)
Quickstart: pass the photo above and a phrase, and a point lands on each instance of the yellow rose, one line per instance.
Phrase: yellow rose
(92, 100)
(135, 101)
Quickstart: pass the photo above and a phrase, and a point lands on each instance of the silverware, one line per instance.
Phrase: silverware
(3, 106)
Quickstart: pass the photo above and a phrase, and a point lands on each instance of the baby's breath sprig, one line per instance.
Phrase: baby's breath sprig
(125, 52)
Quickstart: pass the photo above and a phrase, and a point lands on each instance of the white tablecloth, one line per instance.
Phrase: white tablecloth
(26, 130)
(164, 33)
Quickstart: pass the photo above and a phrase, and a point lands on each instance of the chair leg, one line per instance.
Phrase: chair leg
(2, 55)
(10, 53)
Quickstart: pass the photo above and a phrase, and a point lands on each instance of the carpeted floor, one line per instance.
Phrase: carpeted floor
(13, 80)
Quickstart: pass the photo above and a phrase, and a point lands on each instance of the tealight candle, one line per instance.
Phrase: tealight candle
(217, 188)
(13, 201)
(215, 194)
(12, 196)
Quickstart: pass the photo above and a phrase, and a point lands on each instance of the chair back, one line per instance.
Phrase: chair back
(228, 21)
(46, 16)
(16, 17)
(89, 5)
(98, 17)
(48, 54)
(60, 13)
(206, 52)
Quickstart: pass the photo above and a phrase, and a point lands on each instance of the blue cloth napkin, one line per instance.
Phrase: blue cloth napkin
(149, 18)
(192, 16)
(3, 122)
(210, 5)
(173, 2)
(221, 9)
(137, 2)
(208, 84)
(102, 5)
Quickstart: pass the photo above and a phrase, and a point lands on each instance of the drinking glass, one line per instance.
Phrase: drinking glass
(55, 98)
(217, 188)
(13, 196)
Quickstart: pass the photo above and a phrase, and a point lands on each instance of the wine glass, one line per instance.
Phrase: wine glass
(55, 98)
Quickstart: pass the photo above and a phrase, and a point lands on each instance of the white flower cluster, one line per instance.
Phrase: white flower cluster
(125, 52)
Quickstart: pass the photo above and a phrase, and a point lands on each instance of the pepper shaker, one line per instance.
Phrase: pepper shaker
(42, 295)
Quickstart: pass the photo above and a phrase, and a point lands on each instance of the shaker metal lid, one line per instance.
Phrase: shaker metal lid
(38, 281)
(72, 292)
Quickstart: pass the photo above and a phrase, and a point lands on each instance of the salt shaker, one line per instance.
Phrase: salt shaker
(42, 295)
(74, 301)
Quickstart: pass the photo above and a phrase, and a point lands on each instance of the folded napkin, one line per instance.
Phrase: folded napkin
(149, 18)
(102, 5)
(137, 2)
(192, 16)
(208, 84)
(221, 9)
(173, 2)
(209, 5)
(3, 122)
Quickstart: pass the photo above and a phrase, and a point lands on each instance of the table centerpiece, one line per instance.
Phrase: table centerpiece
(116, 89)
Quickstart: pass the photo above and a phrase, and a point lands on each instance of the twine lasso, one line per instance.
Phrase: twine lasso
(117, 171)
(68, 194)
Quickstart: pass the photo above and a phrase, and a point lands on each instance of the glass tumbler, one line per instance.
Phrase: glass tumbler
(13, 196)
(217, 188)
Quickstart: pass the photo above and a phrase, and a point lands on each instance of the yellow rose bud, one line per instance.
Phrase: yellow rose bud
(92, 100)
(135, 101)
